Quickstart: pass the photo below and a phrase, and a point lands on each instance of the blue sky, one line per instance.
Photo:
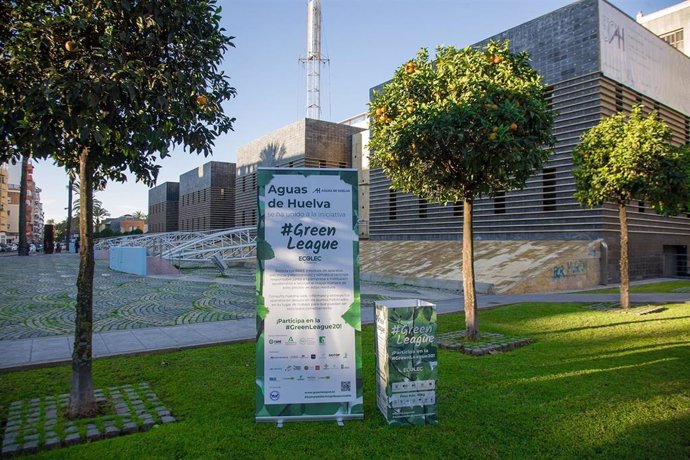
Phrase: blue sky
(365, 41)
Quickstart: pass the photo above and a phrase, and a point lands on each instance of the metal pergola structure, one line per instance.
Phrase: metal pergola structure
(232, 244)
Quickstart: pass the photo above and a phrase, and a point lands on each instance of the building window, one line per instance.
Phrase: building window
(500, 203)
(392, 205)
(549, 189)
(675, 38)
(458, 208)
(423, 206)
(640, 206)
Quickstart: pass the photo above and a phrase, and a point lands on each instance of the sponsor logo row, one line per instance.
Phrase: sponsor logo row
(293, 341)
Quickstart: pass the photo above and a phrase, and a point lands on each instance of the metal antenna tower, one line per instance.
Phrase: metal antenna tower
(313, 59)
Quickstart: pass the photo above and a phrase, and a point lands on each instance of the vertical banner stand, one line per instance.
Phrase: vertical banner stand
(308, 314)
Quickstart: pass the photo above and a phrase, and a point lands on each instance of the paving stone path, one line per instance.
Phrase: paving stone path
(38, 293)
(41, 424)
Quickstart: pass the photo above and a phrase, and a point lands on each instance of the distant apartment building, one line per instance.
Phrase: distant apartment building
(4, 203)
(164, 207)
(671, 24)
(306, 143)
(207, 197)
(37, 216)
(33, 206)
(13, 213)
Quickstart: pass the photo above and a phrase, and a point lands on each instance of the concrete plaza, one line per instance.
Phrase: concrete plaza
(134, 314)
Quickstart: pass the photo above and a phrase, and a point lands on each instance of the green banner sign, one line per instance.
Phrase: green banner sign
(308, 345)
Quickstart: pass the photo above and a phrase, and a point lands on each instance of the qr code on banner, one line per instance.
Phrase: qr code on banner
(345, 386)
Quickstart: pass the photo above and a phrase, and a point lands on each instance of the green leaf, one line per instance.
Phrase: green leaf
(261, 310)
(353, 315)
(264, 251)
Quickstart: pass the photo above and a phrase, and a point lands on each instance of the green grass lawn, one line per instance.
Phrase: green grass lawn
(595, 384)
(651, 288)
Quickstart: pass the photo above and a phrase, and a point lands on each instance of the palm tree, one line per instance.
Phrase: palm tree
(99, 213)
(139, 215)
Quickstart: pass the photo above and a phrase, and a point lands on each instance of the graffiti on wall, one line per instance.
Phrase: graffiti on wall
(570, 269)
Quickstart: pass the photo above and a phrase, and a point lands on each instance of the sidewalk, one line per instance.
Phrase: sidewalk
(28, 353)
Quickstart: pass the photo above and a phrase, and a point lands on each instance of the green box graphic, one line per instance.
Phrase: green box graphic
(406, 362)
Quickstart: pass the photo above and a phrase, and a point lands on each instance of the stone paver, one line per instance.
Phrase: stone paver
(489, 343)
(131, 416)
(38, 295)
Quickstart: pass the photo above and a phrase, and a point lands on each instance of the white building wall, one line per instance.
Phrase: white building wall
(668, 20)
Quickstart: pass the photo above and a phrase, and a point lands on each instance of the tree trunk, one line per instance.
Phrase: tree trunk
(82, 402)
(625, 282)
(23, 249)
(471, 326)
(68, 234)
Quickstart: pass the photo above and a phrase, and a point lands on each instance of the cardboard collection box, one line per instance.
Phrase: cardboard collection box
(406, 362)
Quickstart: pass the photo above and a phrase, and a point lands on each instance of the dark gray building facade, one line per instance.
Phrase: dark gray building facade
(164, 207)
(207, 197)
(596, 61)
(306, 143)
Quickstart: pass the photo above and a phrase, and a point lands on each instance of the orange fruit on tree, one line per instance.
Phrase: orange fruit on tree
(513, 126)
(410, 108)
(496, 59)
(379, 111)
(493, 136)
(410, 67)
(201, 100)
(70, 45)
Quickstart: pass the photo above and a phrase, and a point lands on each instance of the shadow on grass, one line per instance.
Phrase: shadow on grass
(646, 440)
(595, 370)
(608, 325)
(631, 351)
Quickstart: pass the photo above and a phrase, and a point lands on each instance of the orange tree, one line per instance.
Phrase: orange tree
(630, 157)
(465, 124)
(102, 88)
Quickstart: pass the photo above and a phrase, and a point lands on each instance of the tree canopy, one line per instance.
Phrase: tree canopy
(128, 80)
(466, 123)
(630, 157)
